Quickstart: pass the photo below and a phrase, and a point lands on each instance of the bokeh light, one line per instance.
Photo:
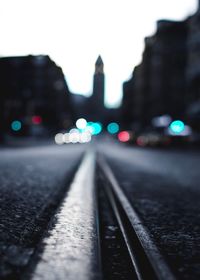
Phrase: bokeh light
(94, 128)
(37, 120)
(16, 125)
(97, 128)
(113, 128)
(81, 123)
(177, 127)
(124, 136)
(90, 128)
(85, 137)
(66, 138)
(74, 136)
(59, 138)
(74, 130)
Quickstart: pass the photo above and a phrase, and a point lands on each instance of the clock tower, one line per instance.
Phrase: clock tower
(98, 91)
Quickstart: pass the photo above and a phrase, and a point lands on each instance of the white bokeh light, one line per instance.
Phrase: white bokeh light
(81, 123)
(75, 32)
(59, 138)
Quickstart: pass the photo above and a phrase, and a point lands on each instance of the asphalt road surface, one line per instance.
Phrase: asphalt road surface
(33, 181)
(163, 186)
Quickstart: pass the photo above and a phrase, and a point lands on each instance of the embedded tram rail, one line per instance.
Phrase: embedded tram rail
(142, 257)
(96, 234)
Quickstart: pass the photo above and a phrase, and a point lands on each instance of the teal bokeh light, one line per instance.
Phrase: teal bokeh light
(90, 128)
(113, 128)
(177, 127)
(94, 127)
(16, 125)
(97, 128)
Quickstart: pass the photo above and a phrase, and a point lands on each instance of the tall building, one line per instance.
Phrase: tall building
(97, 98)
(193, 71)
(168, 67)
(33, 86)
(158, 84)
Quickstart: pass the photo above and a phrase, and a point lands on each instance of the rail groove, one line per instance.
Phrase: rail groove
(146, 259)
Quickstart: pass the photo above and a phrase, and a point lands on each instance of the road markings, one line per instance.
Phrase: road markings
(71, 250)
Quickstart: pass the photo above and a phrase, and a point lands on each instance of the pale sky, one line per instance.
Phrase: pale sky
(75, 32)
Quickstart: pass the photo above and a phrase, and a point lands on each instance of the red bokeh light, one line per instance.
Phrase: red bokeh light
(36, 120)
(124, 136)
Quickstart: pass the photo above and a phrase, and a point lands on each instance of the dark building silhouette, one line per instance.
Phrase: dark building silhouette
(97, 98)
(33, 85)
(193, 71)
(169, 58)
(158, 85)
(81, 107)
(127, 106)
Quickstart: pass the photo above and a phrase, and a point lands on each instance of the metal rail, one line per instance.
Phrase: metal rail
(146, 259)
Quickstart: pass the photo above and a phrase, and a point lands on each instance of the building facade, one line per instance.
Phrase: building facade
(33, 86)
(158, 85)
(193, 71)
